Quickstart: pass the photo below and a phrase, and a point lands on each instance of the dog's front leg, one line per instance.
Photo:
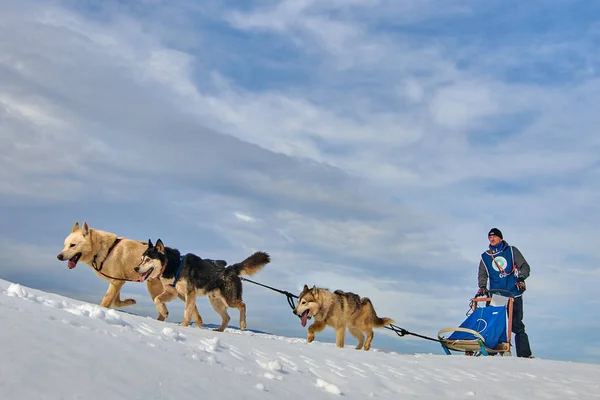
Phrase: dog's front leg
(118, 303)
(114, 290)
(318, 326)
(160, 301)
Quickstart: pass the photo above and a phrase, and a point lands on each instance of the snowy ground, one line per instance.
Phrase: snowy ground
(53, 347)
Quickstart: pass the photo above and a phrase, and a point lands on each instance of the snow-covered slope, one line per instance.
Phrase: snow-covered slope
(53, 347)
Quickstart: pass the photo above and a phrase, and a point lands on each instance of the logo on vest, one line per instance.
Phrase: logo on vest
(500, 265)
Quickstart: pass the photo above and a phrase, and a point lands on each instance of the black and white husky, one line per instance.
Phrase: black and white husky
(190, 276)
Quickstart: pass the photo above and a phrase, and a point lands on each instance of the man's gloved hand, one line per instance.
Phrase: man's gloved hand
(521, 286)
(481, 292)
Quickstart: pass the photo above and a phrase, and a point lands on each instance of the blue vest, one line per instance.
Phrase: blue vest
(501, 269)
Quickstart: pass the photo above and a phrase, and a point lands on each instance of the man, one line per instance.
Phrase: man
(506, 268)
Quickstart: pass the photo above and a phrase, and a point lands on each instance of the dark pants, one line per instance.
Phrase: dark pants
(518, 328)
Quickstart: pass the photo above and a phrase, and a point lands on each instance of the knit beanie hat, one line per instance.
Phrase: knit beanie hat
(496, 231)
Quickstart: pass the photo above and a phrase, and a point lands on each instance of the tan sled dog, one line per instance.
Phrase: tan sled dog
(339, 310)
(113, 258)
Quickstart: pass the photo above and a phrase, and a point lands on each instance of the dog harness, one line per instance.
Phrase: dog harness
(177, 273)
(116, 242)
(99, 269)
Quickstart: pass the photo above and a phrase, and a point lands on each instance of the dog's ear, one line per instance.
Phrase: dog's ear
(75, 227)
(314, 291)
(85, 229)
(150, 243)
(305, 289)
(160, 246)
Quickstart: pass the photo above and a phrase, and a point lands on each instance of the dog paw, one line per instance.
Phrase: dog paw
(311, 337)
(129, 302)
(242, 325)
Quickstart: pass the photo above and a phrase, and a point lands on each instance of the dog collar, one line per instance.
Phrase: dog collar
(162, 269)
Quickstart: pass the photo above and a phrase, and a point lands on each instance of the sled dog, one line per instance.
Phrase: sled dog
(190, 276)
(340, 310)
(113, 258)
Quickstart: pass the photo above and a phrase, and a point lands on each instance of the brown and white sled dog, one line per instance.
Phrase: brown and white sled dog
(113, 258)
(339, 310)
(191, 276)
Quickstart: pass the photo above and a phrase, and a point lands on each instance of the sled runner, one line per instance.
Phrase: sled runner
(487, 329)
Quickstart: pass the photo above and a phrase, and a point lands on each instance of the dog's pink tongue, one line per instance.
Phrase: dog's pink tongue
(71, 263)
(142, 278)
(304, 318)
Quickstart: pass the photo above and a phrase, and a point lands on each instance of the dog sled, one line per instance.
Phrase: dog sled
(487, 329)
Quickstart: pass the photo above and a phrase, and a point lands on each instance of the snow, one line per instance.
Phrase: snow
(54, 347)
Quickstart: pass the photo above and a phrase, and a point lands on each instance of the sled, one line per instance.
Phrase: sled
(487, 329)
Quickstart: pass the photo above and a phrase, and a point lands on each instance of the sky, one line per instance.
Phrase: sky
(366, 145)
(77, 358)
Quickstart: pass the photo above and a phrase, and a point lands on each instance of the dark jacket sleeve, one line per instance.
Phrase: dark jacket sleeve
(482, 276)
(523, 268)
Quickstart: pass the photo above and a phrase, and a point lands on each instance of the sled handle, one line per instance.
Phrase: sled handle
(471, 331)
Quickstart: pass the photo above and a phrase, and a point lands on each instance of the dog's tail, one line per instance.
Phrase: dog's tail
(252, 264)
(377, 322)
(381, 322)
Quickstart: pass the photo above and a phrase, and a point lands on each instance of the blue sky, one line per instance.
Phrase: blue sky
(367, 145)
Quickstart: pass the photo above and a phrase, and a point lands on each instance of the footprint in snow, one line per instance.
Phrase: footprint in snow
(272, 365)
(371, 367)
(314, 372)
(329, 387)
(393, 371)
(170, 333)
(336, 369)
(72, 323)
(375, 371)
(289, 364)
(338, 373)
(258, 353)
(357, 371)
(145, 329)
(16, 290)
(261, 387)
(309, 362)
(271, 376)
(236, 353)
(53, 303)
(211, 345)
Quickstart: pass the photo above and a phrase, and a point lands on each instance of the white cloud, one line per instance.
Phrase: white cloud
(243, 217)
(458, 105)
